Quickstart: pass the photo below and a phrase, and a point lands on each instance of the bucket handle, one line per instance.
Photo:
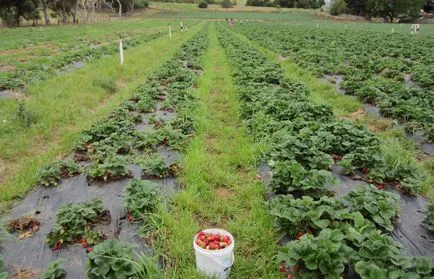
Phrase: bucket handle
(220, 264)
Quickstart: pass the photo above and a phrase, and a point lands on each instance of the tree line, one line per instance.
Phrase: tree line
(302, 4)
(387, 9)
(13, 12)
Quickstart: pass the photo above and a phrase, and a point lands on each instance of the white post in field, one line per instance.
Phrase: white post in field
(121, 52)
(393, 31)
(170, 32)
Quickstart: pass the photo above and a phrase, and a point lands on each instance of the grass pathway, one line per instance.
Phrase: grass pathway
(220, 185)
(66, 105)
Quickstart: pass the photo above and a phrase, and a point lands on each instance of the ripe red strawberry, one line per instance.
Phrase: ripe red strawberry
(298, 235)
(212, 246)
(380, 186)
(84, 243)
(282, 268)
(289, 276)
(130, 218)
(226, 238)
(297, 268)
(89, 249)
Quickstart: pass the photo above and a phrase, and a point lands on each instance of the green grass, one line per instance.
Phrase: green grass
(32, 54)
(220, 186)
(191, 11)
(66, 105)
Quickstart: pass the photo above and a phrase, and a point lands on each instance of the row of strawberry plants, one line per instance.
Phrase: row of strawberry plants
(108, 148)
(330, 237)
(41, 70)
(375, 75)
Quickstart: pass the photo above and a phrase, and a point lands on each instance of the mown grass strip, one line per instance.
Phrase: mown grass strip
(220, 185)
(66, 105)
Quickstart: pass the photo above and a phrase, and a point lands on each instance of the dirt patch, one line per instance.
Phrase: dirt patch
(25, 224)
(379, 125)
(356, 115)
(2, 171)
(376, 125)
(282, 58)
(204, 223)
(224, 193)
(6, 68)
(25, 274)
(11, 94)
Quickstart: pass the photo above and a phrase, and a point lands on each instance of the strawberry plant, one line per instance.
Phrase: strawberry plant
(73, 220)
(111, 168)
(305, 215)
(379, 255)
(51, 175)
(3, 274)
(140, 197)
(379, 206)
(54, 271)
(324, 256)
(429, 217)
(111, 259)
(153, 165)
(290, 176)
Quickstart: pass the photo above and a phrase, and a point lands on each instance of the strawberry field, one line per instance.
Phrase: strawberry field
(396, 75)
(267, 130)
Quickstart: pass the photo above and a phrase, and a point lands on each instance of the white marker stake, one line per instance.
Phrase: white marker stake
(121, 52)
(345, 26)
(317, 25)
(170, 32)
(393, 31)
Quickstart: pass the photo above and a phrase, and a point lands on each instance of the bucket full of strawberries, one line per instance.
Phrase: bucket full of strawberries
(214, 249)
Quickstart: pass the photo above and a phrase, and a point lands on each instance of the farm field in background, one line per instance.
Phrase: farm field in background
(310, 140)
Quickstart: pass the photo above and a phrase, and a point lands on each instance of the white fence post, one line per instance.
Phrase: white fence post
(121, 52)
(170, 32)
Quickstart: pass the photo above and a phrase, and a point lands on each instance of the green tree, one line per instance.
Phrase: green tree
(390, 9)
(226, 4)
(338, 7)
(13, 12)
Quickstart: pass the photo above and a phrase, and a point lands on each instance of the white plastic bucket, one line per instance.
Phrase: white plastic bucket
(215, 263)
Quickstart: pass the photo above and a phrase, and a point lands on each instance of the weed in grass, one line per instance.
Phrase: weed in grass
(23, 116)
(107, 84)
